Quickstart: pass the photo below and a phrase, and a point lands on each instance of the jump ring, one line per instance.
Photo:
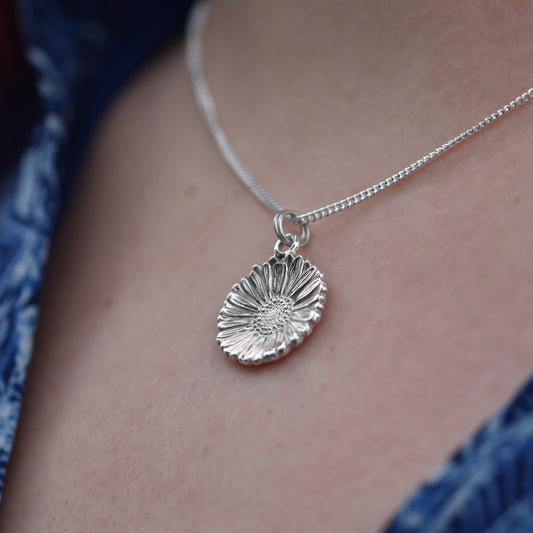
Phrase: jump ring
(285, 238)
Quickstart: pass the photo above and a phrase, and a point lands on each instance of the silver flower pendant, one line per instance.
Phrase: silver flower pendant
(271, 311)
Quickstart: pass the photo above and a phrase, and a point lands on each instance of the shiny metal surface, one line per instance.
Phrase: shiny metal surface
(207, 107)
(290, 238)
(271, 311)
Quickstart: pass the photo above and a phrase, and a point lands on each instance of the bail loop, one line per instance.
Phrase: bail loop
(290, 239)
(292, 247)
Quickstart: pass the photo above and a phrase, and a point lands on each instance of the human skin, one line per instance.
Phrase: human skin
(134, 420)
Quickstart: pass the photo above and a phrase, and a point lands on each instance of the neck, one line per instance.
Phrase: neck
(344, 46)
(311, 70)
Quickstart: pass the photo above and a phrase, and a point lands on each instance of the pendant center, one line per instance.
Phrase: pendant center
(273, 315)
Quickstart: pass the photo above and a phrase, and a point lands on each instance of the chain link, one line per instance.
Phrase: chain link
(207, 106)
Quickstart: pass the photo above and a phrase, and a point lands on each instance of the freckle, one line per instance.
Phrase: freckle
(108, 303)
(190, 191)
(516, 200)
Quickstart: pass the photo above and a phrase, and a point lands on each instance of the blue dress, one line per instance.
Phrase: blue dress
(80, 54)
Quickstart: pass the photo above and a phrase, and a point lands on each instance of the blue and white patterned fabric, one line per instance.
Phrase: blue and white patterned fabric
(487, 486)
(81, 53)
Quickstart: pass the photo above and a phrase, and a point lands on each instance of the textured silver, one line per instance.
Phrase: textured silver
(271, 311)
(276, 307)
(206, 103)
(290, 238)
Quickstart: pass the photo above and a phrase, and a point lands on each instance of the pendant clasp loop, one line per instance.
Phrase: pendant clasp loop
(290, 239)
(292, 248)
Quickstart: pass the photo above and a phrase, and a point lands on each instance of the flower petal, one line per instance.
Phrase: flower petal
(313, 300)
(236, 311)
(305, 278)
(269, 347)
(280, 342)
(241, 299)
(234, 322)
(291, 335)
(306, 315)
(258, 283)
(302, 327)
(296, 267)
(236, 344)
(279, 272)
(250, 290)
(312, 285)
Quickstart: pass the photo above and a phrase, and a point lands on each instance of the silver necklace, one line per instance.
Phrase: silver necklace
(276, 306)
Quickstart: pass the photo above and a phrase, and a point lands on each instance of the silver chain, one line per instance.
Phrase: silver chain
(204, 98)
